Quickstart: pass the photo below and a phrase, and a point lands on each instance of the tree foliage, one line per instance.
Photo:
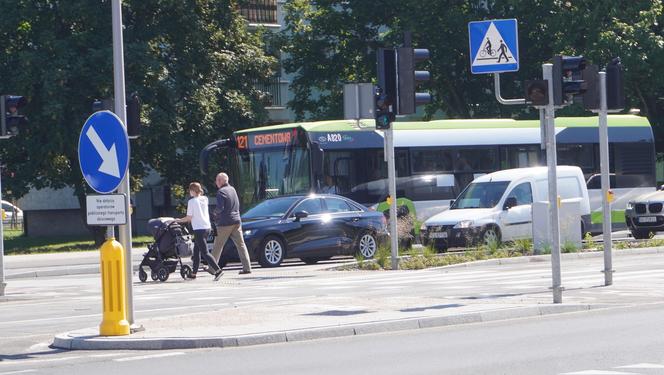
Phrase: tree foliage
(331, 42)
(192, 62)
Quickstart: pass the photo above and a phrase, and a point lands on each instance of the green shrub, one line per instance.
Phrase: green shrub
(383, 256)
(588, 242)
(621, 245)
(568, 247)
(523, 246)
(359, 258)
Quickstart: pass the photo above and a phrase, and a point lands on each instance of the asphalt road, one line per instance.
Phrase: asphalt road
(615, 341)
(45, 306)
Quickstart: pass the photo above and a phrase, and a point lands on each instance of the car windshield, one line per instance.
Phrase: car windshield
(270, 208)
(481, 195)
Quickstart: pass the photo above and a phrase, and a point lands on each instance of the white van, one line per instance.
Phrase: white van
(498, 206)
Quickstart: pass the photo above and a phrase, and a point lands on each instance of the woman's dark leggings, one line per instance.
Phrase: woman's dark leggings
(200, 250)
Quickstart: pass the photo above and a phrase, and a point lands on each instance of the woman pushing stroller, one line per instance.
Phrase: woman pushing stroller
(198, 215)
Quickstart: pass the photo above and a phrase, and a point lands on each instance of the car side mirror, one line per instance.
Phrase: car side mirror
(301, 215)
(509, 203)
(451, 202)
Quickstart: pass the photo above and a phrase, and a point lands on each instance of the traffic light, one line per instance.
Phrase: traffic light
(386, 92)
(12, 120)
(537, 92)
(133, 112)
(567, 81)
(590, 76)
(615, 88)
(134, 116)
(407, 98)
(383, 115)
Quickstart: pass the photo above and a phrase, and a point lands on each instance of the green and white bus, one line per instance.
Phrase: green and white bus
(434, 160)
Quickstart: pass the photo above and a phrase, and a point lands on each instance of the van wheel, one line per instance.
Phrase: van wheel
(490, 235)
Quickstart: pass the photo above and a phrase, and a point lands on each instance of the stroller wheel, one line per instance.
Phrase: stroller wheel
(186, 272)
(153, 276)
(142, 275)
(162, 274)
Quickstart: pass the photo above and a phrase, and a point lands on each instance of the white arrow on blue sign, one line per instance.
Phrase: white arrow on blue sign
(494, 46)
(103, 151)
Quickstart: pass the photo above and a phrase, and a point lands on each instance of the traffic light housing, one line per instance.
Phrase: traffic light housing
(12, 119)
(134, 116)
(407, 97)
(386, 93)
(537, 92)
(590, 76)
(567, 80)
(615, 87)
(133, 113)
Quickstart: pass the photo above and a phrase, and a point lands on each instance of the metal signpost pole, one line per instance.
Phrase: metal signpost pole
(392, 186)
(121, 112)
(557, 288)
(604, 167)
(2, 247)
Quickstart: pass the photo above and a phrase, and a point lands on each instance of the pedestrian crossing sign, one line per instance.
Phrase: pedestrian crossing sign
(494, 46)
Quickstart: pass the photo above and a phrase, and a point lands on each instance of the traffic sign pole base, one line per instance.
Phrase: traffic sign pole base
(136, 328)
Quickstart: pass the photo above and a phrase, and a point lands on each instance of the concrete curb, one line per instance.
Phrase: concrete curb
(64, 271)
(88, 340)
(531, 258)
(547, 257)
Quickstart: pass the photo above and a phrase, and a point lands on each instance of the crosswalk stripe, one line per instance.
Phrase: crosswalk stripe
(150, 356)
(643, 365)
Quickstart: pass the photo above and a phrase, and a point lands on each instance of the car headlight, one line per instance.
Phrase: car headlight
(630, 205)
(464, 224)
(249, 232)
(423, 227)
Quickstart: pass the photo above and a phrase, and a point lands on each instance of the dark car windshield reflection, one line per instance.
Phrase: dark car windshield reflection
(276, 207)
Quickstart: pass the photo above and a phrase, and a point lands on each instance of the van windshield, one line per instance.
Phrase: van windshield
(481, 195)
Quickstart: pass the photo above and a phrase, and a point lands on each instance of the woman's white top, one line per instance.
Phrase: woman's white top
(197, 208)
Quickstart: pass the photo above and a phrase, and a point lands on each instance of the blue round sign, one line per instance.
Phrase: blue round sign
(103, 151)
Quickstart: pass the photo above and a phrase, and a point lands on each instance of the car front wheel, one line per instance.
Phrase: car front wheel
(490, 235)
(271, 252)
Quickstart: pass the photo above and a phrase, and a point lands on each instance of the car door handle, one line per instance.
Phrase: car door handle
(356, 219)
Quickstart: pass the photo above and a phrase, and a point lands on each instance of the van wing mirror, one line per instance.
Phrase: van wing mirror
(451, 202)
(509, 203)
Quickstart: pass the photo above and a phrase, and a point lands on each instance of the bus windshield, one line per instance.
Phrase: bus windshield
(269, 173)
(481, 195)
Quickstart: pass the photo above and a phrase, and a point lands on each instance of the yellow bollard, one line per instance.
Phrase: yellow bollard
(114, 321)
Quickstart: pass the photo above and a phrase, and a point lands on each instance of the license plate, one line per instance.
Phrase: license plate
(648, 219)
(438, 235)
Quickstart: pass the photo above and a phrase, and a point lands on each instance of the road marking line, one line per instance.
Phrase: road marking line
(106, 355)
(148, 356)
(598, 372)
(17, 372)
(38, 360)
(642, 365)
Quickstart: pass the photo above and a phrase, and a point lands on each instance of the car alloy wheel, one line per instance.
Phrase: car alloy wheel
(367, 245)
(273, 252)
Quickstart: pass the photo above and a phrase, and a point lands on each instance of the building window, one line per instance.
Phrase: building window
(260, 11)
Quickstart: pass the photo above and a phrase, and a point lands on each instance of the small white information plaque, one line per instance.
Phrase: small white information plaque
(107, 209)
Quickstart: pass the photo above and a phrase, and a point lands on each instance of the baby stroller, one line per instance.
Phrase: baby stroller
(172, 242)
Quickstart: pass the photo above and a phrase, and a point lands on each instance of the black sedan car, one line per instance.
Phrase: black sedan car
(309, 227)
